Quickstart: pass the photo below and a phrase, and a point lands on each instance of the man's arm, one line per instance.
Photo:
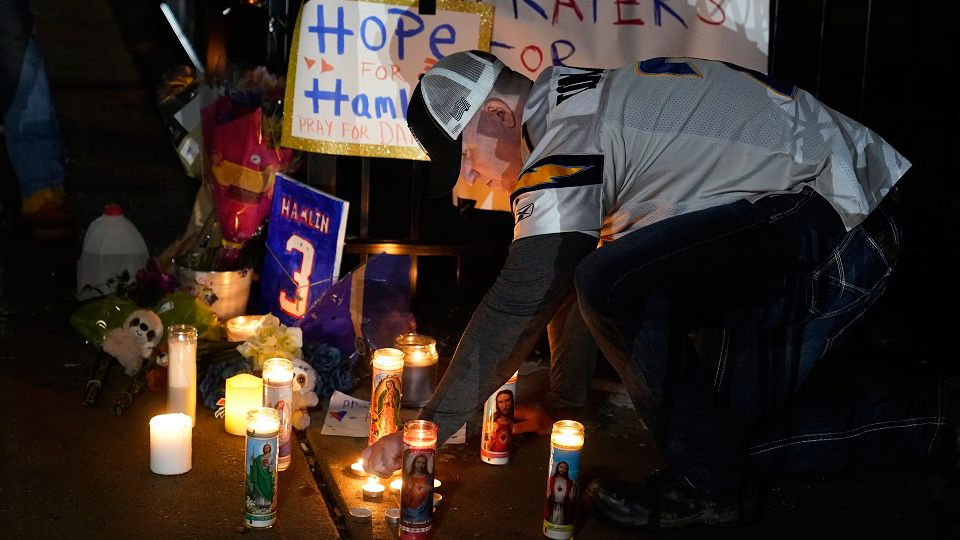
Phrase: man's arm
(536, 276)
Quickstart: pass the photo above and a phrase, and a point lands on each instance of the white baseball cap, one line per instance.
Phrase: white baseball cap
(443, 103)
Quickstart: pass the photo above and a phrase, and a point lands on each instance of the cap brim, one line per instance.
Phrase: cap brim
(444, 153)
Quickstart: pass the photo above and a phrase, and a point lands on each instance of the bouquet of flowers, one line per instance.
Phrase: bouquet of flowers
(242, 154)
(272, 340)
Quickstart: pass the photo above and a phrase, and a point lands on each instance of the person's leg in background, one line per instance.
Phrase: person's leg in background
(573, 359)
(31, 128)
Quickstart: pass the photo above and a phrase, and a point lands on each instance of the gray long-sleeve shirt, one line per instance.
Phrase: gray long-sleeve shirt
(535, 278)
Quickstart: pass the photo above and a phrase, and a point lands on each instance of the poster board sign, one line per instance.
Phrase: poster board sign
(354, 64)
(304, 245)
(531, 35)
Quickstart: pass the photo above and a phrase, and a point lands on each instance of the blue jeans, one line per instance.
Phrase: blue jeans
(32, 130)
(714, 319)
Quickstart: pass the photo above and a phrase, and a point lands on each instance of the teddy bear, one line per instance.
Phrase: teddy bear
(135, 340)
(304, 394)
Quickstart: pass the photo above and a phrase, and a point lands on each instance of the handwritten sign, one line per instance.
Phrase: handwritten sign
(354, 65)
(304, 245)
(531, 35)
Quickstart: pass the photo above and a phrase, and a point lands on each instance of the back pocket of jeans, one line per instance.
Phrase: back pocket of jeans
(851, 273)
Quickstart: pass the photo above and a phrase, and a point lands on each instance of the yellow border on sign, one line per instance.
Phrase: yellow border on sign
(370, 150)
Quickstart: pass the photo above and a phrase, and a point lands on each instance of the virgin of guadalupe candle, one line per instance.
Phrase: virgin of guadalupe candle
(278, 394)
(182, 370)
(560, 508)
(260, 481)
(498, 424)
(416, 488)
(419, 368)
(385, 398)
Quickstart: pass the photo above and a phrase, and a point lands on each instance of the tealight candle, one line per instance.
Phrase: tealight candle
(356, 469)
(419, 368)
(416, 490)
(373, 489)
(171, 444)
(566, 442)
(243, 392)
(385, 396)
(278, 393)
(260, 465)
(243, 327)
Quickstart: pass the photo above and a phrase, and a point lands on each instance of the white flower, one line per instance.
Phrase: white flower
(291, 340)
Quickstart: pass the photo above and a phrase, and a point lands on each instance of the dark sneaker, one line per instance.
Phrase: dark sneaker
(663, 501)
(48, 215)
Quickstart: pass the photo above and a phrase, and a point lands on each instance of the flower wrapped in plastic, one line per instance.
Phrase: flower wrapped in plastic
(272, 340)
(242, 154)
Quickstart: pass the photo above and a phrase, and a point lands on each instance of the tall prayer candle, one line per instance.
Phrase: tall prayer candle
(243, 327)
(182, 370)
(244, 392)
(498, 424)
(419, 368)
(171, 443)
(385, 398)
(416, 490)
(278, 394)
(260, 462)
(560, 510)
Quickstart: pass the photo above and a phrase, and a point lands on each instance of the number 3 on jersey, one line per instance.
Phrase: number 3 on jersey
(297, 305)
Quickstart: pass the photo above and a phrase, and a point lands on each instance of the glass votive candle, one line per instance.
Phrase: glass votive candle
(419, 368)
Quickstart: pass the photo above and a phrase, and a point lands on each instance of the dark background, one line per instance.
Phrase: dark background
(885, 63)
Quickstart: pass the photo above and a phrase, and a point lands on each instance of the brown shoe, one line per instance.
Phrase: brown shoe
(47, 213)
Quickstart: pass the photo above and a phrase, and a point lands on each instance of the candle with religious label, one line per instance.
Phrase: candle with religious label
(182, 370)
(385, 398)
(419, 368)
(498, 424)
(560, 510)
(243, 327)
(417, 470)
(243, 392)
(278, 394)
(398, 483)
(171, 443)
(260, 463)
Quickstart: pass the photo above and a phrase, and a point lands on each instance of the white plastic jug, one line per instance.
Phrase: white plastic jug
(111, 245)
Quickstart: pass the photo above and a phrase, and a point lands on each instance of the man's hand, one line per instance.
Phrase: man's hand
(384, 456)
(531, 419)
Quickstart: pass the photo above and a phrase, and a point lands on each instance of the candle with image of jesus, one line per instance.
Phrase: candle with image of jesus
(560, 508)
(416, 488)
(385, 397)
(498, 424)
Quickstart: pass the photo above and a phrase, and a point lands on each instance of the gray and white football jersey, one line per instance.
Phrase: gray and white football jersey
(610, 151)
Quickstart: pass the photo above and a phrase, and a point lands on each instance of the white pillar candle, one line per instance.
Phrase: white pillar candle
(182, 370)
(244, 392)
(171, 444)
(278, 394)
(243, 327)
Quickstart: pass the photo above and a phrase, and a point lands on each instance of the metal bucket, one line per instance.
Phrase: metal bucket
(226, 293)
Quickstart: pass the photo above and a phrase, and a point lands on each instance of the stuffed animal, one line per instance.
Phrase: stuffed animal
(304, 394)
(134, 342)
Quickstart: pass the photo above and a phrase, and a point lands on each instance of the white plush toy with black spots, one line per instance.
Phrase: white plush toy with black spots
(134, 342)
